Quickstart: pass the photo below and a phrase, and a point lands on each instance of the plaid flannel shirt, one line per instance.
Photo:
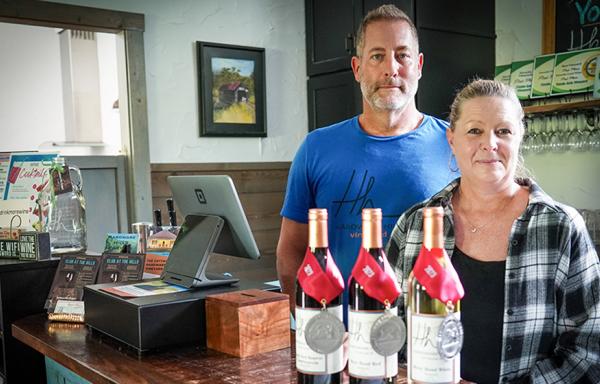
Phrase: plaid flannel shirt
(551, 331)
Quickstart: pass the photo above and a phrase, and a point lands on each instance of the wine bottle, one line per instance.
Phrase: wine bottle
(433, 310)
(319, 326)
(374, 293)
(172, 213)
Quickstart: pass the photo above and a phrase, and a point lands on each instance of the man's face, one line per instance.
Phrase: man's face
(389, 66)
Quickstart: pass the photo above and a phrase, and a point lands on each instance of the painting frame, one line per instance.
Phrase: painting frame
(235, 108)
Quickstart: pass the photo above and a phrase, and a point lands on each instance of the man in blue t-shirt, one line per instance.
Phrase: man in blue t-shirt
(390, 157)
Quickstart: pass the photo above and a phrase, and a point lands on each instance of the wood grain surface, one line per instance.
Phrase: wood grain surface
(102, 360)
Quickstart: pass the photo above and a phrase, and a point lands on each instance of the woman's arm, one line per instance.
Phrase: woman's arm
(576, 356)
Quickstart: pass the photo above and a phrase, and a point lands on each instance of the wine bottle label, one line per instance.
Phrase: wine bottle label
(309, 361)
(363, 361)
(424, 361)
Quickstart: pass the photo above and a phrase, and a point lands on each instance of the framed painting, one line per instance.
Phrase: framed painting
(231, 88)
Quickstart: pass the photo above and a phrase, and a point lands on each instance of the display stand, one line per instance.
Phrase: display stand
(199, 237)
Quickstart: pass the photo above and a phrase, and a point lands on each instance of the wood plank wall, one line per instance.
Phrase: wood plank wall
(261, 187)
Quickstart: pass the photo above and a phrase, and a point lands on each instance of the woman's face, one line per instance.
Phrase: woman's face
(486, 139)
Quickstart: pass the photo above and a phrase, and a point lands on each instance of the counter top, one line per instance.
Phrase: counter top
(102, 360)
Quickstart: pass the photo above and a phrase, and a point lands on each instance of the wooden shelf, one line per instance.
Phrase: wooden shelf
(589, 104)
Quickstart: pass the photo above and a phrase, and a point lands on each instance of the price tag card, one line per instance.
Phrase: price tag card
(543, 69)
(521, 75)
(574, 71)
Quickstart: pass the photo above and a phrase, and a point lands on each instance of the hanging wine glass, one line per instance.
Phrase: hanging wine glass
(581, 133)
(526, 143)
(594, 140)
(554, 140)
(570, 136)
(538, 143)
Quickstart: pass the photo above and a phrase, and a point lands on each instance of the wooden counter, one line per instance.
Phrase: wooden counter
(101, 360)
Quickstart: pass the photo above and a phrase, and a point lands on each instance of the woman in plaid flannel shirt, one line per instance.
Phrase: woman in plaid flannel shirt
(531, 311)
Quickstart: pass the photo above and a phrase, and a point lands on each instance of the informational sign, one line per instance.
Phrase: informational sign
(521, 74)
(543, 69)
(574, 72)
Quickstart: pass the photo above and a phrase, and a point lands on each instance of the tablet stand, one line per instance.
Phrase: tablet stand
(198, 238)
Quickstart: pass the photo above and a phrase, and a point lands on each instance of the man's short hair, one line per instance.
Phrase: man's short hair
(387, 12)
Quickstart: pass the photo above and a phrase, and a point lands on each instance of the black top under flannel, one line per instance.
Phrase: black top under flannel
(551, 321)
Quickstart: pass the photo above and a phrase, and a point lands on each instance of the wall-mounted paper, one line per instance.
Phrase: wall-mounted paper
(502, 74)
(543, 69)
(521, 74)
(574, 71)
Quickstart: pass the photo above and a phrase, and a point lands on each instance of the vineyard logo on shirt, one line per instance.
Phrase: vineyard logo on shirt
(355, 199)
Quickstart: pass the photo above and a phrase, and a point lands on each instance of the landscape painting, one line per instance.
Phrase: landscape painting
(231, 83)
(233, 91)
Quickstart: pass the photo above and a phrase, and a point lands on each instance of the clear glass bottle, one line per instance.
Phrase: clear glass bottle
(66, 213)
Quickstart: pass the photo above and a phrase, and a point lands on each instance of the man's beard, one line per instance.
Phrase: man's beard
(390, 103)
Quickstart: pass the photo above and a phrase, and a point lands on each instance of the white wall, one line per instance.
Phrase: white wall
(572, 178)
(173, 27)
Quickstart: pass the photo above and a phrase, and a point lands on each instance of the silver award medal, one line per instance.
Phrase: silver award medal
(324, 333)
(388, 334)
(450, 337)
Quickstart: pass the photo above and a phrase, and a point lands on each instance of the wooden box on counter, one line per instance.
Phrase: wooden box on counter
(245, 323)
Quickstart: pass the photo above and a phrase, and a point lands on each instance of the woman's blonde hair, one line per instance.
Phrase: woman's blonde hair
(490, 88)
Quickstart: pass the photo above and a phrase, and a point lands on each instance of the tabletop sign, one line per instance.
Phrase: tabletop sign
(34, 246)
(72, 274)
(9, 249)
(502, 74)
(577, 25)
(574, 71)
(521, 74)
(118, 267)
(543, 69)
